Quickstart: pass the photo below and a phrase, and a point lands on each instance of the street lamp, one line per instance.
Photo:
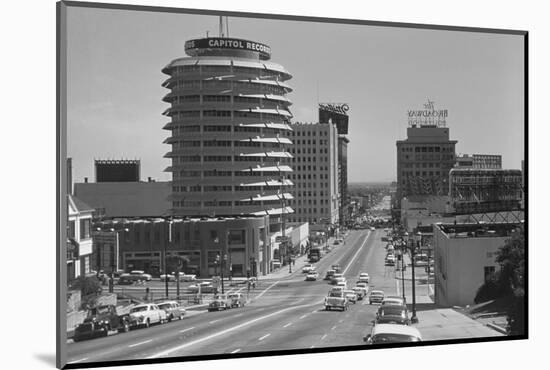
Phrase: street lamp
(415, 242)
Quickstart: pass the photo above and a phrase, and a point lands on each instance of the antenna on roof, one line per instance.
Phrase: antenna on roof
(222, 18)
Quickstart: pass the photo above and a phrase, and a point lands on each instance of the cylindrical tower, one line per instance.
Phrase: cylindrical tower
(229, 120)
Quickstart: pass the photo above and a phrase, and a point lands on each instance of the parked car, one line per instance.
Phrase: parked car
(220, 302)
(99, 321)
(146, 314)
(363, 278)
(146, 277)
(173, 310)
(372, 228)
(392, 314)
(187, 277)
(312, 276)
(170, 277)
(237, 299)
(376, 296)
(308, 268)
(206, 287)
(392, 333)
(128, 279)
(393, 300)
(351, 295)
(329, 274)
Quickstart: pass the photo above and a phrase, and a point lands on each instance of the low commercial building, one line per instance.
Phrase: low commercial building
(79, 238)
(464, 258)
(239, 245)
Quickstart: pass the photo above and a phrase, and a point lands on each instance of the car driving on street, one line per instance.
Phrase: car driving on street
(173, 310)
(392, 314)
(376, 296)
(312, 276)
(392, 333)
(220, 302)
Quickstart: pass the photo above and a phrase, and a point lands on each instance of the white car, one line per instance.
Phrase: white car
(147, 314)
(351, 295)
(363, 278)
(188, 277)
(146, 277)
(392, 333)
(308, 268)
(342, 283)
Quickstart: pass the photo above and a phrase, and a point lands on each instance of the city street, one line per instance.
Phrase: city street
(286, 313)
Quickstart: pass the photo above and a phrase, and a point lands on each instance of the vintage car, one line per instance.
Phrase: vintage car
(336, 268)
(187, 277)
(142, 274)
(237, 299)
(376, 296)
(312, 276)
(363, 278)
(144, 315)
(128, 279)
(336, 299)
(351, 295)
(392, 333)
(173, 310)
(329, 274)
(360, 292)
(337, 277)
(204, 287)
(393, 300)
(220, 302)
(170, 277)
(393, 314)
(308, 268)
(99, 321)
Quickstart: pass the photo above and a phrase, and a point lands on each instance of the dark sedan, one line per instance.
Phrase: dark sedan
(388, 314)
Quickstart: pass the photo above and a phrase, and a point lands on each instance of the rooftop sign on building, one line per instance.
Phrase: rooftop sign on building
(335, 113)
(429, 116)
(194, 47)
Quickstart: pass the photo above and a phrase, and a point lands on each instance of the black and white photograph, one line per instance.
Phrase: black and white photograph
(239, 185)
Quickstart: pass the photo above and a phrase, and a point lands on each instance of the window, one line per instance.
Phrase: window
(489, 273)
(236, 237)
(71, 230)
(85, 228)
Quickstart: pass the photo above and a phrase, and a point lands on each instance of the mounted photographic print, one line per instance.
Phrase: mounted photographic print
(240, 185)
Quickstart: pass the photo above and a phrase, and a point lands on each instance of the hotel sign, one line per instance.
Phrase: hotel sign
(194, 46)
(428, 116)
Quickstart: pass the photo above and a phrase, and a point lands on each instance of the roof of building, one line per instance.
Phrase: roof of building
(79, 205)
(479, 230)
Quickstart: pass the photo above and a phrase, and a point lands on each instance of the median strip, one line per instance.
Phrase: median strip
(356, 253)
(140, 343)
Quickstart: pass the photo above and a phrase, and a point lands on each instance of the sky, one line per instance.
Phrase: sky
(115, 57)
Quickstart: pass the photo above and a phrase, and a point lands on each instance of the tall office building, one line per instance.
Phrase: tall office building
(315, 176)
(425, 158)
(229, 130)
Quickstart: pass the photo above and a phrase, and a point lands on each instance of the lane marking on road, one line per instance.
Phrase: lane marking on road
(224, 332)
(397, 288)
(303, 316)
(213, 321)
(75, 361)
(184, 330)
(340, 321)
(323, 337)
(265, 336)
(356, 254)
(266, 289)
(287, 325)
(140, 343)
(237, 315)
(313, 346)
(314, 311)
(237, 350)
(334, 327)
